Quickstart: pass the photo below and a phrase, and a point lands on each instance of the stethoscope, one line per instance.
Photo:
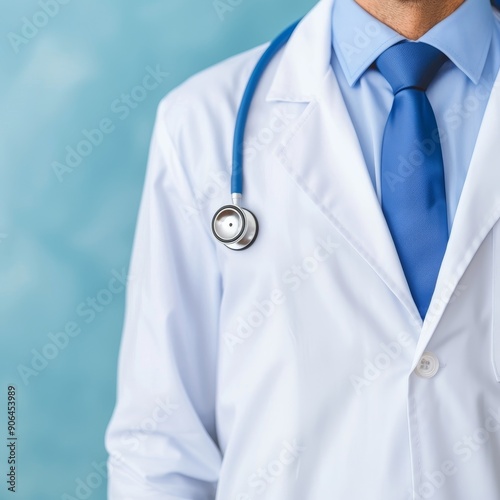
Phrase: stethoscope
(232, 224)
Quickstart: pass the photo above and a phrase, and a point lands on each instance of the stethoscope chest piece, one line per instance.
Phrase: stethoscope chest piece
(234, 226)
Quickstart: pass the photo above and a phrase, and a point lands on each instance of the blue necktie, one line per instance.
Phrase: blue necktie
(412, 176)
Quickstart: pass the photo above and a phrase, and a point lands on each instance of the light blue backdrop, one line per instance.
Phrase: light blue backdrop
(68, 203)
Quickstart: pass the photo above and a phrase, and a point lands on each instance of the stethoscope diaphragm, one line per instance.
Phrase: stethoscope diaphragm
(234, 226)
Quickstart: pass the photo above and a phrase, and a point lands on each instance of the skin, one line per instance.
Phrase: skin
(410, 18)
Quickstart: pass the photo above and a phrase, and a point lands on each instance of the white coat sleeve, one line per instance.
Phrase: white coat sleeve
(161, 439)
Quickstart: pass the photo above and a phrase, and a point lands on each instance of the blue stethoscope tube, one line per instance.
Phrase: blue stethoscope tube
(246, 101)
(233, 225)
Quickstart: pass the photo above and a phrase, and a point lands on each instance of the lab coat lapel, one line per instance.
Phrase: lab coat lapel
(477, 212)
(321, 151)
(323, 155)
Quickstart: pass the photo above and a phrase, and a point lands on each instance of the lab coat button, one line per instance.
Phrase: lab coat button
(428, 365)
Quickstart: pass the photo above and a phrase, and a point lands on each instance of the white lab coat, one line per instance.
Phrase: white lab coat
(291, 370)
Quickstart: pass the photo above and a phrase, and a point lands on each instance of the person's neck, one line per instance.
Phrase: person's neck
(410, 18)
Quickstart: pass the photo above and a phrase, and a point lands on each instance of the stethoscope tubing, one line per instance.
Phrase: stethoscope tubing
(246, 101)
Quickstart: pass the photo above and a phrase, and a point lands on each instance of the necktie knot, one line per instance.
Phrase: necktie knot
(410, 65)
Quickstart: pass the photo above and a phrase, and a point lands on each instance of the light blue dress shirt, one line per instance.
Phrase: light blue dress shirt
(459, 93)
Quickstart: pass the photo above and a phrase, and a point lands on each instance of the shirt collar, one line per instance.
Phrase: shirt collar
(464, 36)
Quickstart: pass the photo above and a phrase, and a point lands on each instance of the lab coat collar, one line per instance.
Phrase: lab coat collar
(306, 57)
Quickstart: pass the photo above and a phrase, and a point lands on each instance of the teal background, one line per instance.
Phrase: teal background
(60, 241)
